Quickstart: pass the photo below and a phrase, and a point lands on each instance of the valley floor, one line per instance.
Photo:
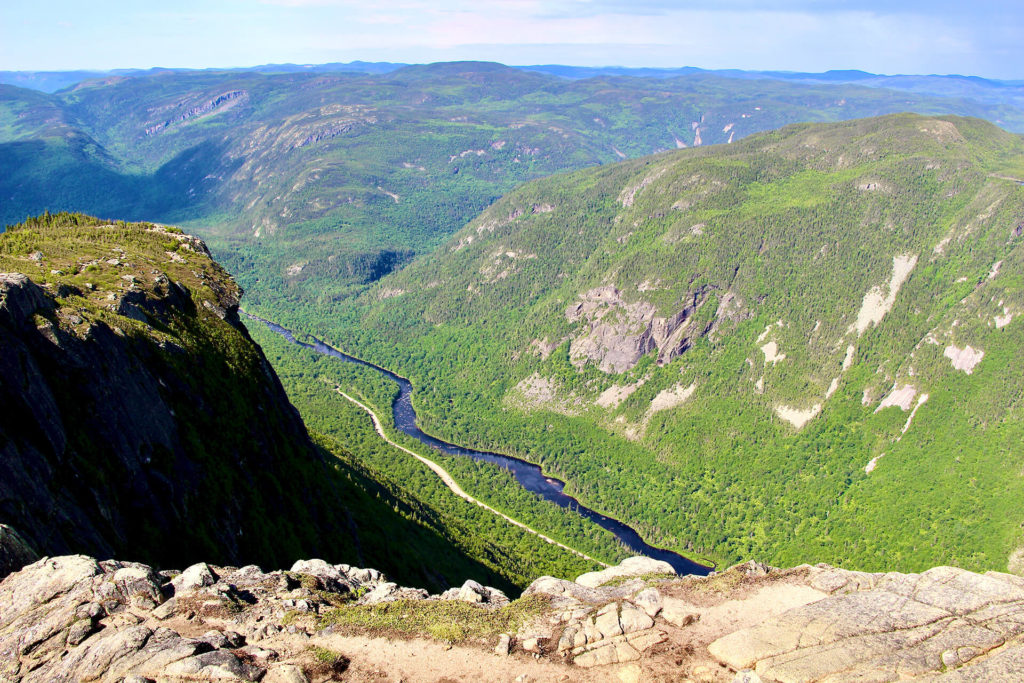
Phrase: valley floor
(454, 486)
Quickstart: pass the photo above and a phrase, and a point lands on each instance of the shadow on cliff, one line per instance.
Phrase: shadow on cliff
(158, 432)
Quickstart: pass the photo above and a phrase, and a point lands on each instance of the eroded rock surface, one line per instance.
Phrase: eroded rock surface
(756, 623)
(617, 333)
(886, 627)
(73, 618)
(629, 568)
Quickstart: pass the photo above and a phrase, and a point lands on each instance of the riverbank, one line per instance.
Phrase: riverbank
(454, 486)
(528, 475)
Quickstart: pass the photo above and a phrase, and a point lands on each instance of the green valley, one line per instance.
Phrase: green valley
(140, 418)
(518, 341)
(799, 347)
(785, 343)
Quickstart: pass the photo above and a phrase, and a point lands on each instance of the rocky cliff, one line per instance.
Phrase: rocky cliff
(72, 618)
(139, 419)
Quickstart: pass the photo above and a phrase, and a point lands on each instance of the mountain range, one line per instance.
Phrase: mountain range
(745, 336)
(797, 346)
(748, 314)
(310, 184)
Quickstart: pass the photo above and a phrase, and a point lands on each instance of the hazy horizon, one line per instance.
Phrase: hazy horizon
(899, 37)
(312, 65)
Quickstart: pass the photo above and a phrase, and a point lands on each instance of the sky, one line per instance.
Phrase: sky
(982, 38)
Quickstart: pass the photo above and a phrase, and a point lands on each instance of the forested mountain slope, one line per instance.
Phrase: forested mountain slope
(800, 347)
(310, 186)
(139, 418)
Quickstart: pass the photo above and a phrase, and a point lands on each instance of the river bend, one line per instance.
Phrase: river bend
(527, 474)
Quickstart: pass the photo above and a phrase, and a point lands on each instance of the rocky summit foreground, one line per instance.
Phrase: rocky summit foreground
(72, 618)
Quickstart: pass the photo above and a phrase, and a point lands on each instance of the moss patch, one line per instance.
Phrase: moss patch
(448, 620)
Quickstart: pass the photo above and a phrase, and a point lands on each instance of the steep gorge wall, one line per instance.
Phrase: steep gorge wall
(140, 420)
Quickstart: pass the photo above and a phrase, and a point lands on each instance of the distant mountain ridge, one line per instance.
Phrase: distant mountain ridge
(51, 81)
(313, 183)
(977, 88)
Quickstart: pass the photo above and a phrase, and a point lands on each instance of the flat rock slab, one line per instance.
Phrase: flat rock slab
(885, 627)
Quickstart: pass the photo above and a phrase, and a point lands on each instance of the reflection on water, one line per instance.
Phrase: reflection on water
(527, 474)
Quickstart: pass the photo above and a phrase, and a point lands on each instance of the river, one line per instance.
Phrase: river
(527, 474)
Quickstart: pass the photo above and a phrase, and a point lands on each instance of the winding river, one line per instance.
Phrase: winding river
(527, 474)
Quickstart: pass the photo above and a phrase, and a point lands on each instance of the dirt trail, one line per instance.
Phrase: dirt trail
(454, 486)
(420, 660)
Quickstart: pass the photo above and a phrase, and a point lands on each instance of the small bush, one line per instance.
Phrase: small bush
(326, 662)
(325, 656)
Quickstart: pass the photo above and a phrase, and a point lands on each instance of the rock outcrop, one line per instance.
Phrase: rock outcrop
(72, 618)
(139, 417)
(616, 333)
(812, 623)
(890, 627)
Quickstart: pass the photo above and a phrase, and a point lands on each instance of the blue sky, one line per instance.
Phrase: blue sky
(909, 36)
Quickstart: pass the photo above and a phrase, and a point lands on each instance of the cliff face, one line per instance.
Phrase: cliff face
(138, 418)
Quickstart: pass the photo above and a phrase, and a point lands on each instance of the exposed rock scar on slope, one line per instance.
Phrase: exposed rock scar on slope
(876, 304)
(616, 334)
(617, 393)
(628, 195)
(393, 195)
(965, 359)
(670, 398)
(870, 467)
(771, 353)
(666, 399)
(900, 397)
(219, 103)
(944, 131)
(847, 363)
(454, 486)
(1002, 321)
(538, 392)
(797, 417)
(910, 418)
(873, 463)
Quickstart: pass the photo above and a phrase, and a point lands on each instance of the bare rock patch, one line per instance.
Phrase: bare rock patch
(965, 359)
(878, 302)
